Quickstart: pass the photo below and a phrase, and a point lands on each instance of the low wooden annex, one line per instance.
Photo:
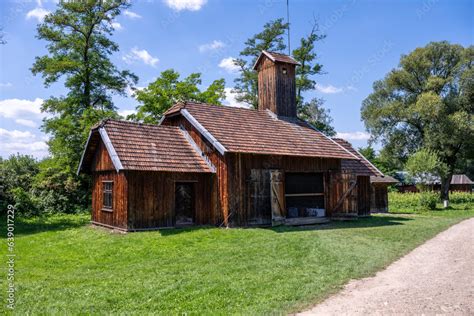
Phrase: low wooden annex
(372, 184)
(223, 166)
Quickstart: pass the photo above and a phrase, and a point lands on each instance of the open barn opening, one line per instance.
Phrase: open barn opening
(304, 195)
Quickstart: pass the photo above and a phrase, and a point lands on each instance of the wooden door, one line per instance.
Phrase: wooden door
(184, 204)
(277, 197)
(259, 198)
(343, 194)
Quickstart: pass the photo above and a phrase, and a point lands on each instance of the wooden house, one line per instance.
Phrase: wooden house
(372, 184)
(461, 183)
(223, 166)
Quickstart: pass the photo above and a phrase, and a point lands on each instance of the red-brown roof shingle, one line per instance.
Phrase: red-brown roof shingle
(275, 57)
(362, 167)
(153, 148)
(261, 132)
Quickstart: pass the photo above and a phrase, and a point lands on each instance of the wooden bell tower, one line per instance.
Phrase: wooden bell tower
(276, 83)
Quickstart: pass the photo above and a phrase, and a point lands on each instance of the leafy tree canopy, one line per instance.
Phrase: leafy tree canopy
(318, 116)
(78, 44)
(168, 89)
(427, 102)
(425, 167)
(272, 39)
(79, 49)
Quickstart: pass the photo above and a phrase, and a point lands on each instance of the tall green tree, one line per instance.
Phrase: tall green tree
(317, 115)
(79, 49)
(427, 102)
(425, 167)
(306, 55)
(168, 89)
(272, 39)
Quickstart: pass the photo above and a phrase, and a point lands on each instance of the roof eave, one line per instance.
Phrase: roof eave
(191, 119)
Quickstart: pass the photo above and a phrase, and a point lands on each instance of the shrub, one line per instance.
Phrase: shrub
(428, 200)
(461, 197)
(403, 201)
(23, 202)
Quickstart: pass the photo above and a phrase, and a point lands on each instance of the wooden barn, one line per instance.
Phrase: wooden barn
(372, 184)
(461, 183)
(223, 166)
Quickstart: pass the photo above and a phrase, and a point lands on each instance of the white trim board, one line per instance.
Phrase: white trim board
(220, 148)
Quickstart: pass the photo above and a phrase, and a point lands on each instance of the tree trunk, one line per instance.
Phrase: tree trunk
(446, 181)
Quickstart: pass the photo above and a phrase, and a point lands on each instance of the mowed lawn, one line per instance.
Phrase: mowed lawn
(65, 266)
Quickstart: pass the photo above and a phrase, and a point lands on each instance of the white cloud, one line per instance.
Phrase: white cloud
(141, 55)
(354, 135)
(231, 101)
(117, 26)
(19, 108)
(228, 65)
(37, 13)
(15, 134)
(328, 89)
(132, 15)
(38, 149)
(191, 5)
(15, 141)
(126, 113)
(28, 123)
(214, 45)
(6, 85)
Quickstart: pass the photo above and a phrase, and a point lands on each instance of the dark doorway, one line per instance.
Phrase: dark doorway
(304, 194)
(184, 204)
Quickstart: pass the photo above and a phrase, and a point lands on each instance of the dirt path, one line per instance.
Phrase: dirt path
(435, 278)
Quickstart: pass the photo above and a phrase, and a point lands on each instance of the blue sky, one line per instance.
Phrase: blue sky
(365, 40)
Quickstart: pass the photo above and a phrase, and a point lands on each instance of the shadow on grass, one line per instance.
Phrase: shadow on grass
(29, 226)
(59, 223)
(373, 221)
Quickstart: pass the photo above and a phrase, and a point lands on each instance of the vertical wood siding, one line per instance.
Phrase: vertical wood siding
(276, 90)
(151, 198)
(363, 195)
(118, 216)
(104, 170)
(379, 198)
(248, 176)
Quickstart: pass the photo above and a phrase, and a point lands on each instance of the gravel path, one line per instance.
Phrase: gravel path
(435, 278)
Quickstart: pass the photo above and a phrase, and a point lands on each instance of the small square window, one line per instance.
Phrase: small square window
(107, 200)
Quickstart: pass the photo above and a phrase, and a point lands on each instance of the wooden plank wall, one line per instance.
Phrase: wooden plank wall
(118, 216)
(102, 161)
(277, 91)
(151, 198)
(338, 184)
(240, 168)
(219, 192)
(104, 170)
(379, 198)
(363, 195)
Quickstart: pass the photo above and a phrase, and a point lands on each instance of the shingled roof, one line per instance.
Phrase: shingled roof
(147, 147)
(242, 130)
(275, 57)
(362, 167)
(461, 179)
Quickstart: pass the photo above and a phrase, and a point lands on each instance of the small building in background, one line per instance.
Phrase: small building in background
(461, 183)
(372, 184)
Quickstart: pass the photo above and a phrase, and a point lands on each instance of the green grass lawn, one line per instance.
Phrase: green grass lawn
(65, 266)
